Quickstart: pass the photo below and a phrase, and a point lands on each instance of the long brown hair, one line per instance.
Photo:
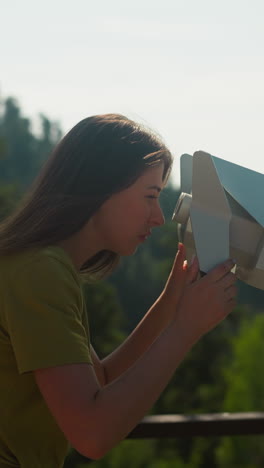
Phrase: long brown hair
(100, 156)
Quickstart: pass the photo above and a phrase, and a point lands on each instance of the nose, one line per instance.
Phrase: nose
(157, 218)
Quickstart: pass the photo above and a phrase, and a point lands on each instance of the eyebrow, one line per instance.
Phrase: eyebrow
(154, 187)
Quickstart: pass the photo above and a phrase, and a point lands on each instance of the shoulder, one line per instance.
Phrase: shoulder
(43, 271)
(49, 262)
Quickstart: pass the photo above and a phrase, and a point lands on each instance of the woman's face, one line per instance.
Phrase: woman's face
(125, 220)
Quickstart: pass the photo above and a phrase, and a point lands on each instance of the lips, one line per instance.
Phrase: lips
(146, 234)
(143, 237)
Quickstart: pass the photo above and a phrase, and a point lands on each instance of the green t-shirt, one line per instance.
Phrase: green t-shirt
(43, 323)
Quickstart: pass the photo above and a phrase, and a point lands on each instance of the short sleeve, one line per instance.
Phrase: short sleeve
(44, 315)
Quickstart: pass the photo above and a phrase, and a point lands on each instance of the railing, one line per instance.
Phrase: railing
(198, 425)
(205, 425)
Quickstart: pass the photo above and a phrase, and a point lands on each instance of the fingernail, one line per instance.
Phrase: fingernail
(193, 259)
(180, 246)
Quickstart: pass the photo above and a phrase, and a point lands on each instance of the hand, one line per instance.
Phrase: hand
(180, 277)
(206, 302)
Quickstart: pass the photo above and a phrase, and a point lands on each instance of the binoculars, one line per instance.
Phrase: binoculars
(220, 215)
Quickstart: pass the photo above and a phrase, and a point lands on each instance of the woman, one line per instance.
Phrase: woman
(95, 200)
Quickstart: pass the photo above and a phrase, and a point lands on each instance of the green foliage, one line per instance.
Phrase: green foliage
(106, 319)
(139, 454)
(245, 392)
(21, 151)
(129, 453)
(9, 195)
(246, 386)
(3, 148)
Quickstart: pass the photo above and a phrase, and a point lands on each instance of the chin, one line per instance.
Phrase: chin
(127, 252)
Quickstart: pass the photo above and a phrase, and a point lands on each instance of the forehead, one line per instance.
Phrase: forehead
(151, 177)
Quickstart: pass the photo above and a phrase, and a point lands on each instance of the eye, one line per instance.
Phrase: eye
(153, 197)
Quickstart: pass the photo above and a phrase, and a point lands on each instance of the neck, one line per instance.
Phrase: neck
(82, 245)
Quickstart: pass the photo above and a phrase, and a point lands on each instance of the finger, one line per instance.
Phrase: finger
(231, 304)
(179, 262)
(228, 280)
(231, 293)
(193, 271)
(178, 274)
(221, 270)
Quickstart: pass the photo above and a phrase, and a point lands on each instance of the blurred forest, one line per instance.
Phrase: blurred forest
(223, 372)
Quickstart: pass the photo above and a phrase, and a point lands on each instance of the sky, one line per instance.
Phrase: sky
(192, 70)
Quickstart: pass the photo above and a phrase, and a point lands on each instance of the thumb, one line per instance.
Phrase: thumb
(179, 272)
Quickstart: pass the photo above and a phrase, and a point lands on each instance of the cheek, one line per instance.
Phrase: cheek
(137, 215)
(124, 214)
(112, 219)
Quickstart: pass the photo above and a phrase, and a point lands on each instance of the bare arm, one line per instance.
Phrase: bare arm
(153, 323)
(95, 418)
(98, 368)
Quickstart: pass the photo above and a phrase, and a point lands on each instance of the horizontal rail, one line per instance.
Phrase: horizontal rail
(197, 425)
